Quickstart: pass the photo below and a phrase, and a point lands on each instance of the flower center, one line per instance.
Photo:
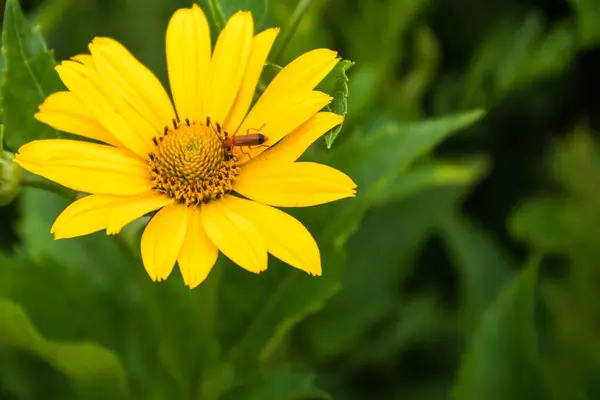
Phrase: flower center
(191, 165)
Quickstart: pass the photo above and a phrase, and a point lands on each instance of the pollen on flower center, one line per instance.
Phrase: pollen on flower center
(191, 165)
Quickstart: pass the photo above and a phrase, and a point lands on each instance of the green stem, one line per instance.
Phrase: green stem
(30, 180)
(290, 29)
(217, 14)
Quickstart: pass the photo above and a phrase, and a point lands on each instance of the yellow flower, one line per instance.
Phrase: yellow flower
(187, 162)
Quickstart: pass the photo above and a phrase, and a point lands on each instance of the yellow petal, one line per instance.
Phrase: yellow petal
(261, 46)
(198, 254)
(109, 109)
(138, 86)
(162, 240)
(63, 111)
(85, 59)
(118, 112)
(188, 57)
(133, 208)
(234, 235)
(285, 237)
(228, 65)
(299, 184)
(301, 75)
(82, 217)
(295, 144)
(97, 212)
(86, 167)
(276, 120)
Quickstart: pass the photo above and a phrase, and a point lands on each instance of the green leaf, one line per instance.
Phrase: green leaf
(483, 266)
(279, 385)
(374, 162)
(273, 303)
(394, 147)
(259, 9)
(288, 32)
(2, 68)
(406, 95)
(76, 313)
(189, 346)
(542, 224)
(96, 372)
(588, 15)
(387, 242)
(112, 281)
(217, 14)
(29, 78)
(373, 85)
(339, 104)
(269, 72)
(502, 361)
(429, 176)
(186, 323)
(412, 320)
(518, 52)
(415, 203)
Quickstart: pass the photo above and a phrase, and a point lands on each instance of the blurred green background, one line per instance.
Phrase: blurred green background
(467, 267)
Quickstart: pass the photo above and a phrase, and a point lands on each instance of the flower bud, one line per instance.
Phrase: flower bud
(11, 175)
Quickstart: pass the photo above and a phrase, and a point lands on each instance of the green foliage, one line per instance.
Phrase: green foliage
(278, 386)
(541, 223)
(258, 8)
(216, 12)
(29, 77)
(388, 151)
(303, 7)
(502, 361)
(483, 266)
(10, 174)
(560, 225)
(339, 104)
(96, 372)
(421, 295)
(517, 52)
(588, 13)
